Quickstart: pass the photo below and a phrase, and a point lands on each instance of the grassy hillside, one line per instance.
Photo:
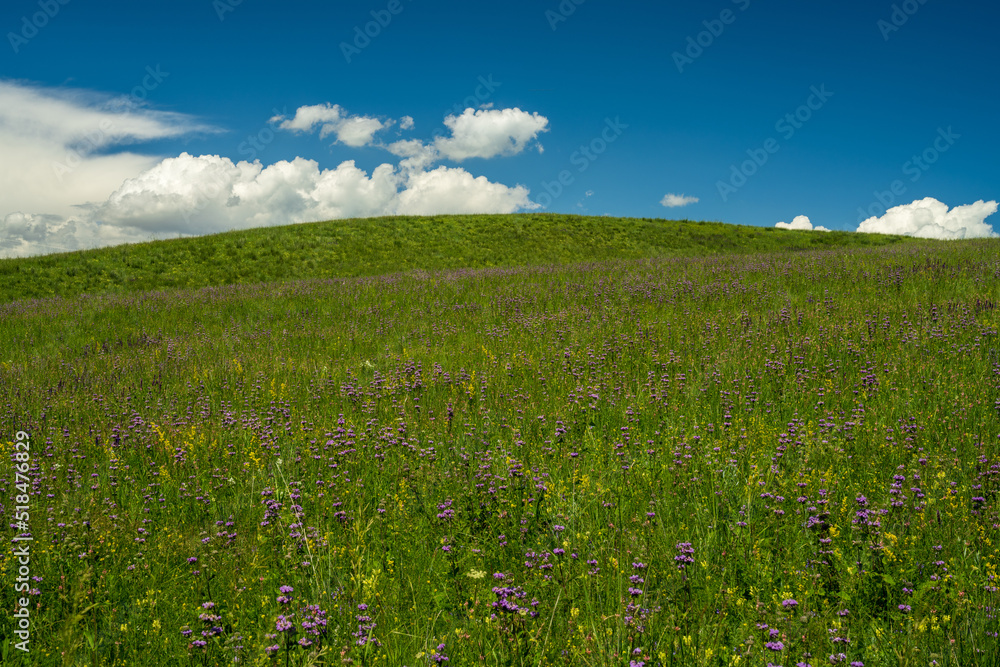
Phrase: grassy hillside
(726, 461)
(376, 246)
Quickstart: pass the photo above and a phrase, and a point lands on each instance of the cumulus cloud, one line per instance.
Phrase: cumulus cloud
(64, 147)
(801, 222)
(354, 131)
(194, 195)
(488, 133)
(930, 219)
(452, 190)
(485, 133)
(673, 201)
(209, 193)
(24, 234)
(110, 196)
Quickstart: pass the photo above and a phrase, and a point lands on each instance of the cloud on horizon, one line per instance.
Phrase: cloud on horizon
(209, 193)
(930, 219)
(106, 195)
(64, 147)
(801, 222)
(674, 201)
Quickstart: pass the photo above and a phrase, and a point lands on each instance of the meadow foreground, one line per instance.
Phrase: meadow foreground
(786, 458)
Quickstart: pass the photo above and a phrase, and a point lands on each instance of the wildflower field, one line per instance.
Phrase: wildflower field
(787, 458)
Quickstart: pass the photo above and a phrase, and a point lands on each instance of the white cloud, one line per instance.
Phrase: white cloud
(308, 117)
(489, 132)
(62, 147)
(672, 200)
(485, 133)
(24, 234)
(801, 222)
(209, 193)
(118, 197)
(190, 195)
(354, 131)
(929, 218)
(358, 131)
(452, 190)
(409, 148)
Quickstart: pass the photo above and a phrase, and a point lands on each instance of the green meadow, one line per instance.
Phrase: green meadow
(379, 246)
(504, 440)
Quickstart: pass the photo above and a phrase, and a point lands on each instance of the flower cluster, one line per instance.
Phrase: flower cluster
(509, 602)
(211, 623)
(366, 626)
(308, 623)
(446, 513)
(438, 656)
(272, 508)
(686, 556)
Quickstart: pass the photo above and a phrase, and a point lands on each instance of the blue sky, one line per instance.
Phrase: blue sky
(115, 115)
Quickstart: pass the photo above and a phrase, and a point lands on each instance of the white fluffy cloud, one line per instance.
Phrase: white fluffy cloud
(198, 195)
(24, 234)
(930, 219)
(801, 222)
(673, 201)
(353, 131)
(208, 193)
(62, 147)
(489, 132)
(451, 190)
(194, 195)
(106, 197)
(485, 133)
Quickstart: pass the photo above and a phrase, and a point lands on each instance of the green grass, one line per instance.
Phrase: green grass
(316, 434)
(376, 246)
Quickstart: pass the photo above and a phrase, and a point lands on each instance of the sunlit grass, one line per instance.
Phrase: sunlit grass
(377, 246)
(635, 461)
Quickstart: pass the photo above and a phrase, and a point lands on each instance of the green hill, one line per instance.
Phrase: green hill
(628, 461)
(373, 246)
